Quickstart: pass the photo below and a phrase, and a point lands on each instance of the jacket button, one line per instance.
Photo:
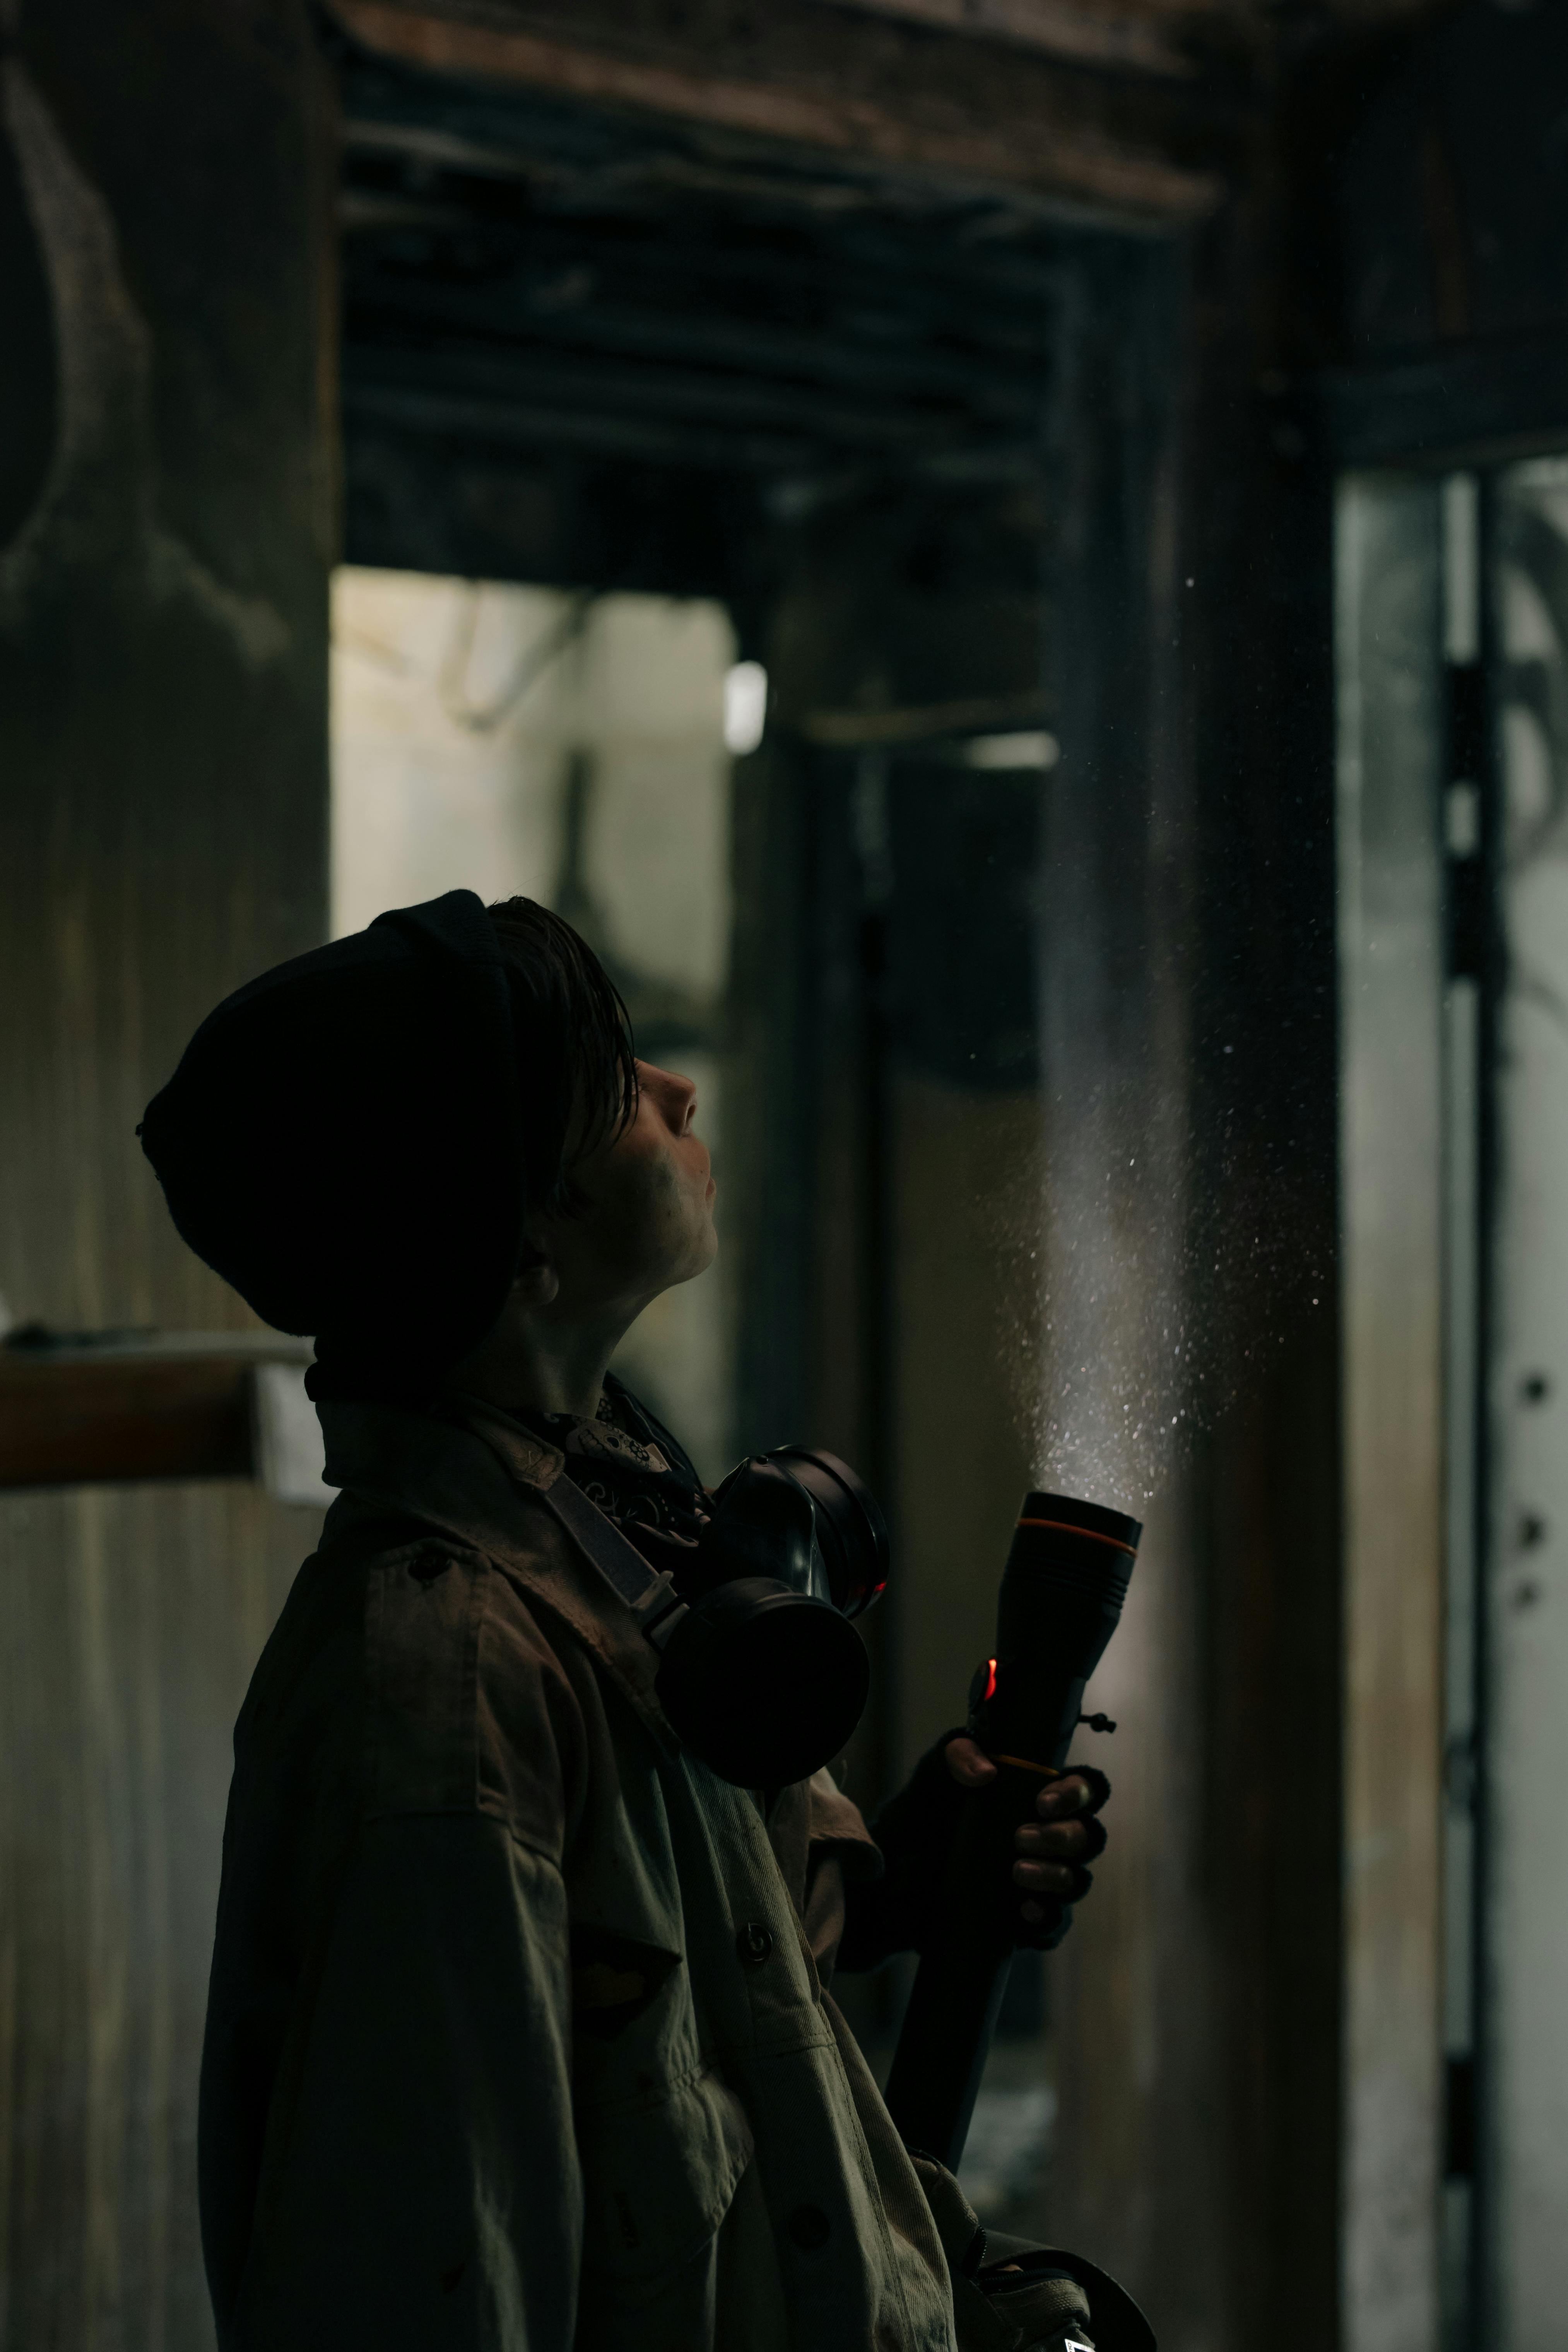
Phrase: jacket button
(809, 2225)
(753, 1943)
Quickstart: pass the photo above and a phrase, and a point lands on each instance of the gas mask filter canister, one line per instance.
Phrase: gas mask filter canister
(762, 1672)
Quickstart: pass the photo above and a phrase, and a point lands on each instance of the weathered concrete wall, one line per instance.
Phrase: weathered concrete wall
(1185, 1112)
(1141, 2151)
(166, 517)
(1189, 1057)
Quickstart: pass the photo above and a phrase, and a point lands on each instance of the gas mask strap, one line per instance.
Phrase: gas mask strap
(649, 1594)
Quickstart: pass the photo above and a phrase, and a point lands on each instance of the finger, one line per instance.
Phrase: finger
(1082, 1840)
(1064, 1837)
(1045, 1877)
(969, 1765)
(1068, 1796)
(1083, 1790)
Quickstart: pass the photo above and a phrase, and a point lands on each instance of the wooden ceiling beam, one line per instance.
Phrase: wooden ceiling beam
(1125, 40)
(1051, 155)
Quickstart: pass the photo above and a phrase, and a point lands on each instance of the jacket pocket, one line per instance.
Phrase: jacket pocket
(658, 2174)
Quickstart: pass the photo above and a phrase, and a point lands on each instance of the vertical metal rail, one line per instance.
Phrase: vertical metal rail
(1492, 977)
(1466, 880)
(871, 820)
(871, 834)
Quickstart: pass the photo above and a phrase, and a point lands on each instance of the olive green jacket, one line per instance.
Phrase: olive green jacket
(517, 2038)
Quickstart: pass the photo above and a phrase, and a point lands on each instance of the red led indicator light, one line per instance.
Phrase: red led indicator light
(990, 1677)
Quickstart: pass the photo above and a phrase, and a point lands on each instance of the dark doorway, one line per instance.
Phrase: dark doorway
(601, 352)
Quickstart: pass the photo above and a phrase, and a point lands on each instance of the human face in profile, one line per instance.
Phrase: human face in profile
(642, 1214)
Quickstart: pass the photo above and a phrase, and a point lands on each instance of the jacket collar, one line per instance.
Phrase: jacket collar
(480, 1480)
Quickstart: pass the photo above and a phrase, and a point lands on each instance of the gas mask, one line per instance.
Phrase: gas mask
(762, 1672)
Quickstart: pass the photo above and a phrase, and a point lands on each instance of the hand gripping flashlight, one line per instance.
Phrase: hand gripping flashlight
(1062, 1591)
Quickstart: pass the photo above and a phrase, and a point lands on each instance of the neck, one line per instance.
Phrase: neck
(541, 1366)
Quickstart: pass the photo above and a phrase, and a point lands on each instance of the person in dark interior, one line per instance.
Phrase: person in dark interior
(520, 2032)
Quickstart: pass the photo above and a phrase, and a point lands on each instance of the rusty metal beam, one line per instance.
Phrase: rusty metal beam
(109, 1408)
(68, 1425)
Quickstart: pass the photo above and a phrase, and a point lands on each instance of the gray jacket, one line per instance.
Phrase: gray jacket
(518, 2034)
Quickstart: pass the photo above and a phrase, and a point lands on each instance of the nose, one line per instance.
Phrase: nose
(677, 1099)
(686, 1105)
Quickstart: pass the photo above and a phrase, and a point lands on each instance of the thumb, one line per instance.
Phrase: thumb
(969, 1765)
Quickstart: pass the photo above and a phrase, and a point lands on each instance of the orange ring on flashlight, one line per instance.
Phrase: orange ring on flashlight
(1065, 1528)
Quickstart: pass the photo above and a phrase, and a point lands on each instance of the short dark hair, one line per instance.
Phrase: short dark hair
(575, 1055)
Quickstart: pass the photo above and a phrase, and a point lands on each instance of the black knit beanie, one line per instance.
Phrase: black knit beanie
(344, 1142)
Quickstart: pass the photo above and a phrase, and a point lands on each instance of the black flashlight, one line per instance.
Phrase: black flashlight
(1062, 1590)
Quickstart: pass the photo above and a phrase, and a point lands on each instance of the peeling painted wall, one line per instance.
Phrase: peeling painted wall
(165, 521)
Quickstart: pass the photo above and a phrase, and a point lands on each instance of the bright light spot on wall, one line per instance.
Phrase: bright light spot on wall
(746, 707)
(1035, 749)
